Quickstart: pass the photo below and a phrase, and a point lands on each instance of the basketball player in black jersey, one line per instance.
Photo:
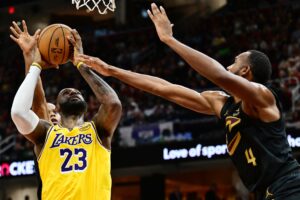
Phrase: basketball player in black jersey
(251, 114)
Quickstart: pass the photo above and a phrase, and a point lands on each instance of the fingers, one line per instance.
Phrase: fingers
(155, 9)
(76, 35)
(13, 38)
(150, 14)
(71, 39)
(162, 10)
(17, 35)
(24, 26)
(16, 27)
(37, 34)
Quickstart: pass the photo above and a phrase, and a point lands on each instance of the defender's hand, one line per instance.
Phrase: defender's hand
(76, 41)
(26, 41)
(161, 21)
(94, 63)
(28, 44)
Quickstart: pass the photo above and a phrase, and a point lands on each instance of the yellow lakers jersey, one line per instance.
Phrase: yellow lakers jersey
(74, 165)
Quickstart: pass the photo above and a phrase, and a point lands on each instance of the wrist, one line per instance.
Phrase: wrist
(34, 69)
(79, 65)
(36, 64)
(27, 53)
(28, 57)
(168, 40)
(112, 71)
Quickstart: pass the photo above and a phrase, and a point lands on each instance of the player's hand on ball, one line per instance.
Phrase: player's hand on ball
(75, 40)
(38, 59)
(161, 21)
(94, 63)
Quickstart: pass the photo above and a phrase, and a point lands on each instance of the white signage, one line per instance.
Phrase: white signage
(209, 151)
(197, 151)
(294, 142)
(17, 168)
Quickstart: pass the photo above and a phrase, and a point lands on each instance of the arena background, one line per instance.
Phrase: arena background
(160, 150)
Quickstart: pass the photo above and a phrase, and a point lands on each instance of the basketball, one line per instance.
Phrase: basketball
(54, 45)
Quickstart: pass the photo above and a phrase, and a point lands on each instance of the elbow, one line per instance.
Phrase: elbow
(18, 118)
(18, 111)
(116, 105)
(24, 121)
(16, 115)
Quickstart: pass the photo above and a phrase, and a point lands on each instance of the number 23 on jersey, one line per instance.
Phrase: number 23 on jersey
(78, 157)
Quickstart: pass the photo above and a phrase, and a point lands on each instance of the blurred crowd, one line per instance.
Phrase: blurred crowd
(221, 35)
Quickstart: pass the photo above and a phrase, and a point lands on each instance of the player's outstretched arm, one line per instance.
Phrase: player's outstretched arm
(109, 113)
(208, 67)
(208, 102)
(27, 43)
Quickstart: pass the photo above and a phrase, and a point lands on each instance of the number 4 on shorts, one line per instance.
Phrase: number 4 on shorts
(250, 157)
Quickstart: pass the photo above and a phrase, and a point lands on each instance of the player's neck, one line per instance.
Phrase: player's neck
(71, 121)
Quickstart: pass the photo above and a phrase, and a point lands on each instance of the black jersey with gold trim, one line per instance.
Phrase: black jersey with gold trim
(259, 150)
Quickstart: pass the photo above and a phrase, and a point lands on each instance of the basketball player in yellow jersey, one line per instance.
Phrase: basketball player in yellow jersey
(74, 157)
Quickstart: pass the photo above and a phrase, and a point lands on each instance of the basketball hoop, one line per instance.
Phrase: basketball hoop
(101, 5)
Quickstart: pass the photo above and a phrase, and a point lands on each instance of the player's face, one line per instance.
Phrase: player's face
(53, 114)
(70, 94)
(71, 102)
(240, 62)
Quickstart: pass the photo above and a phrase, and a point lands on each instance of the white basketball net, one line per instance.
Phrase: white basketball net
(101, 5)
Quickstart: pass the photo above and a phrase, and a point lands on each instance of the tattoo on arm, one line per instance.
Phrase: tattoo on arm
(101, 89)
(108, 116)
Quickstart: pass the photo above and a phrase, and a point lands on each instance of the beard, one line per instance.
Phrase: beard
(76, 108)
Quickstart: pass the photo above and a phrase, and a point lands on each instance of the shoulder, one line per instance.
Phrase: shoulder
(268, 111)
(216, 99)
(265, 93)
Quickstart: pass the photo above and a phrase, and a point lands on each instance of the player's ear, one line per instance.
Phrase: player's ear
(245, 70)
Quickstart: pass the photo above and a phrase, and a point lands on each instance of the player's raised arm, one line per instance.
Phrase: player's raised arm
(27, 43)
(109, 113)
(26, 121)
(235, 84)
(209, 102)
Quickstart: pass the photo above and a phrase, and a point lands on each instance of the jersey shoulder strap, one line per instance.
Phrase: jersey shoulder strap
(226, 106)
(278, 102)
